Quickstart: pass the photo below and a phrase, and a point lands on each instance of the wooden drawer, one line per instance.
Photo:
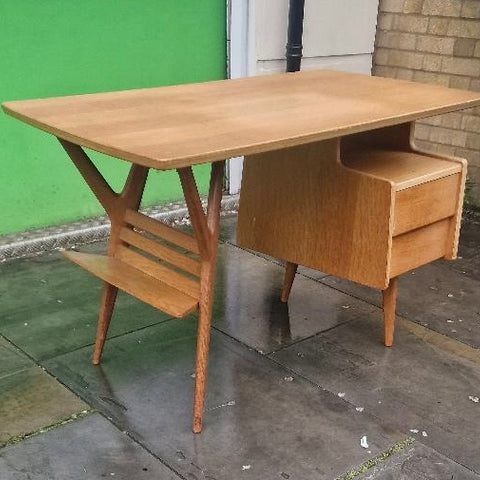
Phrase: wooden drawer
(426, 203)
(420, 246)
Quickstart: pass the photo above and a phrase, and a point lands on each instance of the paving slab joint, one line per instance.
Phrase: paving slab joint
(377, 460)
(64, 421)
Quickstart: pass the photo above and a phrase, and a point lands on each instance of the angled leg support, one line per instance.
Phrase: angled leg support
(206, 232)
(115, 205)
(205, 226)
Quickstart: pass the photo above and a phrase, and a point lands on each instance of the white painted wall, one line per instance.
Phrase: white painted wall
(338, 35)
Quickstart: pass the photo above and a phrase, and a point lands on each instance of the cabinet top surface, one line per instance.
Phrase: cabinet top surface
(178, 126)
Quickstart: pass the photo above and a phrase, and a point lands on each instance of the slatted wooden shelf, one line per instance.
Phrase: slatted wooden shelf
(156, 249)
(136, 282)
(170, 234)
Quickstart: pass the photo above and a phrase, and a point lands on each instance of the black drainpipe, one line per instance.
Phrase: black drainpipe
(295, 33)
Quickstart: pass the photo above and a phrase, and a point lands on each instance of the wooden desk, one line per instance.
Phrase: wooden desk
(177, 127)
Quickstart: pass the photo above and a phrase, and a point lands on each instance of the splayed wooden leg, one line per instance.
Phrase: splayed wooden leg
(107, 303)
(205, 229)
(116, 206)
(290, 271)
(389, 304)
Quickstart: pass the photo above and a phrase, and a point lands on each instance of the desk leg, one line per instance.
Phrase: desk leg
(290, 271)
(205, 229)
(107, 302)
(115, 204)
(389, 304)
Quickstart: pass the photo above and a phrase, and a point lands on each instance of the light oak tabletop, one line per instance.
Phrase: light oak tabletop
(178, 126)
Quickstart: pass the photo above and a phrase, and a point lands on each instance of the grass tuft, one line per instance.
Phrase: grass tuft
(63, 421)
(380, 458)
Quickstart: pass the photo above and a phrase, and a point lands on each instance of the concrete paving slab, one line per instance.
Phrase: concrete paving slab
(419, 462)
(434, 295)
(12, 360)
(260, 421)
(91, 448)
(50, 306)
(468, 261)
(425, 385)
(424, 293)
(248, 307)
(31, 399)
(228, 229)
(443, 295)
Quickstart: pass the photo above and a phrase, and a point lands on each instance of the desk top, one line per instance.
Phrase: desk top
(171, 127)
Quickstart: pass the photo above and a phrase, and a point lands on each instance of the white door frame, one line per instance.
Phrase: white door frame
(241, 63)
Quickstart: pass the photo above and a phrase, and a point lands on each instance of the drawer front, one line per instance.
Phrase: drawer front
(426, 203)
(419, 247)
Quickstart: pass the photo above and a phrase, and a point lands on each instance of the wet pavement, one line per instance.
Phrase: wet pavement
(292, 389)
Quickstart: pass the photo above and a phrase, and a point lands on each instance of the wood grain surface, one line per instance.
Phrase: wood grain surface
(404, 169)
(305, 207)
(426, 203)
(178, 126)
(135, 282)
(419, 247)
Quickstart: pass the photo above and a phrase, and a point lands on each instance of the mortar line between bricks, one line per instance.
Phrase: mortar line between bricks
(427, 52)
(428, 34)
(427, 15)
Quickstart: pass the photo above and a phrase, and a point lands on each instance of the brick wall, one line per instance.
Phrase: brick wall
(438, 42)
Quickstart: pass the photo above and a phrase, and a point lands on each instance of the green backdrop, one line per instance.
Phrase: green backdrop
(64, 47)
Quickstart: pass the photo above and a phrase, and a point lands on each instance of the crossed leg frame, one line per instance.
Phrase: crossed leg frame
(119, 206)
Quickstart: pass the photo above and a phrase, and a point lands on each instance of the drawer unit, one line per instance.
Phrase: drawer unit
(426, 192)
(372, 207)
(426, 203)
(418, 247)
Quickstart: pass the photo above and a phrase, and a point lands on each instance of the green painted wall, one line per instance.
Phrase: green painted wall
(64, 47)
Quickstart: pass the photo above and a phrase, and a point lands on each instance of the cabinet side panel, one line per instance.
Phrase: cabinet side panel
(302, 205)
(396, 137)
